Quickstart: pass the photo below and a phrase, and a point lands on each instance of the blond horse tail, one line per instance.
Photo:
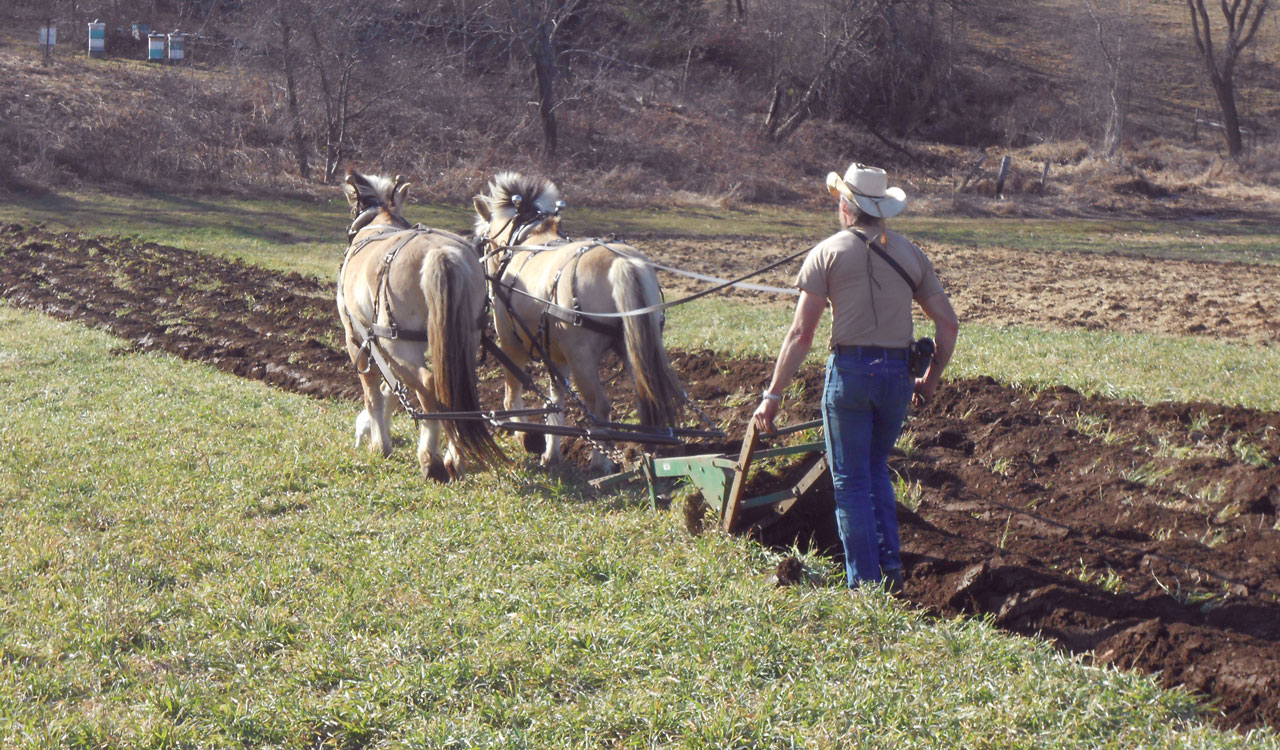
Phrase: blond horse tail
(452, 341)
(658, 390)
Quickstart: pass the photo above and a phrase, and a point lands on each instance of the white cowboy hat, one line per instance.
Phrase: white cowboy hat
(868, 187)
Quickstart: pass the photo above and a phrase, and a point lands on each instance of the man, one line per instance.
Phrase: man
(868, 385)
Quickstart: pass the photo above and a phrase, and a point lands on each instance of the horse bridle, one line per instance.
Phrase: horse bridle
(519, 230)
(366, 217)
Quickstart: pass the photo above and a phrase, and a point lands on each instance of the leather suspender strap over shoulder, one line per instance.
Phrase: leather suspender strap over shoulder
(875, 247)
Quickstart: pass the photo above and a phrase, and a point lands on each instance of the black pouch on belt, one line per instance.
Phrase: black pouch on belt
(920, 356)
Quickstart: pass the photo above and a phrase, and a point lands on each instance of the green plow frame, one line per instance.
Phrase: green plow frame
(722, 479)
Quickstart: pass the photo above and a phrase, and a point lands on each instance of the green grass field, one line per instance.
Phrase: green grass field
(194, 560)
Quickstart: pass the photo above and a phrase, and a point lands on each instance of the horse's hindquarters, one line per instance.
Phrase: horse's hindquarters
(419, 298)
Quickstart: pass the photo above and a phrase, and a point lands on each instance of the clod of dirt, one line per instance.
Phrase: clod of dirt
(790, 571)
(695, 513)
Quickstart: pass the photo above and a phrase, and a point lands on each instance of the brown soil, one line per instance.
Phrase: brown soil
(997, 286)
(1133, 535)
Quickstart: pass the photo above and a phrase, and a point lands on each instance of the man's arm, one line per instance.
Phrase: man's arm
(795, 347)
(946, 330)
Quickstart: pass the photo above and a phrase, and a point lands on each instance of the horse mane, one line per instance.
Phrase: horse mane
(365, 191)
(537, 196)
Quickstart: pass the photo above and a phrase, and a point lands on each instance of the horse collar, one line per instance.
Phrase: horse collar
(361, 221)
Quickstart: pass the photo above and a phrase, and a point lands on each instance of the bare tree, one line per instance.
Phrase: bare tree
(780, 124)
(288, 63)
(815, 45)
(1113, 31)
(349, 84)
(538, 24)
(1242, 18)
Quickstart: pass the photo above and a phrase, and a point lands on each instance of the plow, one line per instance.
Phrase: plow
(722, 479)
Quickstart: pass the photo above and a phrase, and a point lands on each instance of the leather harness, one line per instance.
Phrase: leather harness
(370, 336)
(502, 290)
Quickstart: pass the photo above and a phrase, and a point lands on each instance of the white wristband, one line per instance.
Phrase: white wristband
(770, 396)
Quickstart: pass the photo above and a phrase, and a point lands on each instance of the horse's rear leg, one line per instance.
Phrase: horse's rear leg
(513, 398)
(552, 453)
(429, 431)
(374, 422)
(586, 379)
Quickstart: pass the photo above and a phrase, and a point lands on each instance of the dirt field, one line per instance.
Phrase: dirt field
(1132, 535)
(1229, 301)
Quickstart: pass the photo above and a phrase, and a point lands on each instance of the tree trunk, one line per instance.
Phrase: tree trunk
(291, 90)
(340, 118)
(1114, 133)
(544, 70)
(1225, 90)
(344, 119)
(771, 117)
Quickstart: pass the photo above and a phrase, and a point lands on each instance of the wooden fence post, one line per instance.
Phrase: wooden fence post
(1004, 172)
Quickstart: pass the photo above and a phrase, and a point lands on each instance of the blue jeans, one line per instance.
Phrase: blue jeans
(863, 407)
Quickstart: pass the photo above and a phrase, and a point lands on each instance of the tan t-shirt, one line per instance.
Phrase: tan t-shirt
(870, 302)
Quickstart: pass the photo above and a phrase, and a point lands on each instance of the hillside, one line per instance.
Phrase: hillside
(677, 116)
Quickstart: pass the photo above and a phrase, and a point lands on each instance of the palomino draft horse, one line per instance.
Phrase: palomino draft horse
(412, 302)
(518, 224)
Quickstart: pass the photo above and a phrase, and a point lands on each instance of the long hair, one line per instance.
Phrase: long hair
(452, 340)
(658, 390)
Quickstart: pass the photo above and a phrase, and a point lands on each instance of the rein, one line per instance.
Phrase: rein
(566, 313)
(734, 284)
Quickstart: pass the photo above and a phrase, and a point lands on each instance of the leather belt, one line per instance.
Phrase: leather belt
(870, 351)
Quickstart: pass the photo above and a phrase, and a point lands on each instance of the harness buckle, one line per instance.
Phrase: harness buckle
(365, 350)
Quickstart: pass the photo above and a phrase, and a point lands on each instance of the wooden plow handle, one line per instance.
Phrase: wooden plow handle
(734, 502)
(750, 443)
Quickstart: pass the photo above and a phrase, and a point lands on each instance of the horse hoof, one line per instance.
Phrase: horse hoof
(453, 468)
(439, 473)
(533, 442)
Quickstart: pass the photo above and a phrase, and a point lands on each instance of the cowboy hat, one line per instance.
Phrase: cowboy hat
(868, 188)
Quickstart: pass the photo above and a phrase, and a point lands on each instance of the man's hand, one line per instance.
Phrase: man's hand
(765, 412)
(924, 390)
